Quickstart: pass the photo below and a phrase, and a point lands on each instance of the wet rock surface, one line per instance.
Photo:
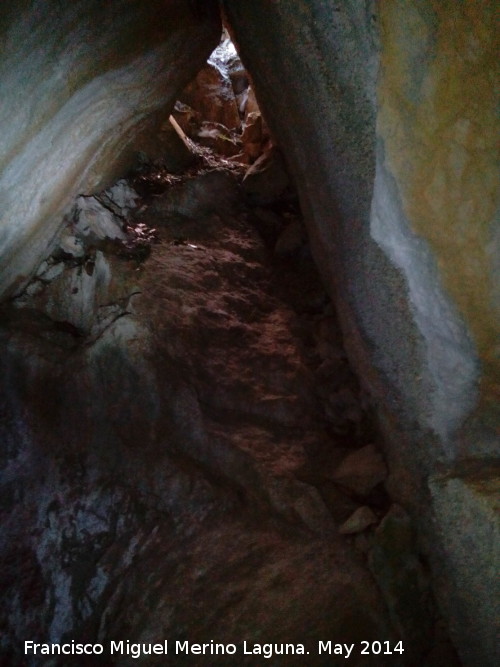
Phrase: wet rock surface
(184, 437)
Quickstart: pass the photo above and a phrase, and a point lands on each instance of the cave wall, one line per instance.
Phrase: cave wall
(437, 126)
(385, 112)
(82, 86)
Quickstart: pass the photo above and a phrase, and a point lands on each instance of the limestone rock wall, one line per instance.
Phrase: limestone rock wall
(437, 129)
(81, 84)
(385, 115)
(167, 457)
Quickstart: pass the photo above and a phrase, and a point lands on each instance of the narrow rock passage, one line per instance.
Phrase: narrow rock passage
(250, 337)
(198, 460)
(201, 463)
(254, 335)
(185, 453)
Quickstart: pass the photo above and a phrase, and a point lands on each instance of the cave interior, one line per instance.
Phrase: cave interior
(249, 299)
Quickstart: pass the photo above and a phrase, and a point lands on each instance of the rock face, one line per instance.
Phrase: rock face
(82, 86)
(211, 95)
(467, 506)
(387, 125)
(166, 446)
(341, 154)
(164, 420)
(218, 109)
(267, 178)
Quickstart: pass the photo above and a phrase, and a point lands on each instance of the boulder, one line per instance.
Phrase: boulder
(252, 131)
(267, 178)
(466, 507)
(241, 102)
(94, 220)
(390, 133)
(213, 191)
(211, 95)
(359, 521)
(400, 576)
(361, 471)
(77, 297)
(121, 198)
(239, 80)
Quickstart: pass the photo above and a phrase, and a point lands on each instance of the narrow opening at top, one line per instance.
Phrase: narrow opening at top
(219, 110)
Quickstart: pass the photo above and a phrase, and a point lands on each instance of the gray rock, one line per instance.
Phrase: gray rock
(75, 295)
(70, 244)
(466, 506)
(94, 219)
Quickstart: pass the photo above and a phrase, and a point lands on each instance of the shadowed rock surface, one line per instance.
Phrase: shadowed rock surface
(386, 115)
(184, 447)
(84, 87)
(180, 451)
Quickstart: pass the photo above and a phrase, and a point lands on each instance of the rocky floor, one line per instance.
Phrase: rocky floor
(188, 454)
